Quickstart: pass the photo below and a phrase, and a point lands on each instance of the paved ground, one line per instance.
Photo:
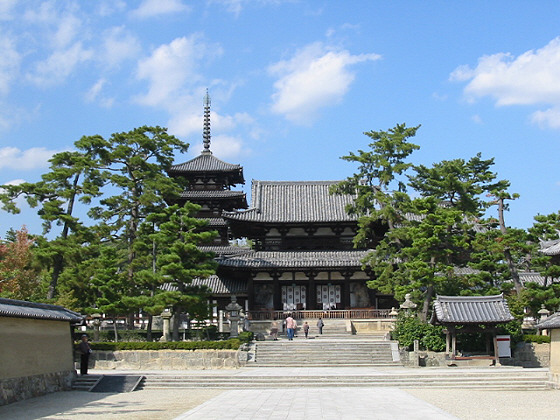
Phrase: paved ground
(290, 403)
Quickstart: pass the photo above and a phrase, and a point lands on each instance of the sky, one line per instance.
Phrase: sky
(294, 84)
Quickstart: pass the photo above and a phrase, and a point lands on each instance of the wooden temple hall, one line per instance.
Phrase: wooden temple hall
(301, 256)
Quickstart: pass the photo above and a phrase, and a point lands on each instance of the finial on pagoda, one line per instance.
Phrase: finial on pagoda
(206, 128)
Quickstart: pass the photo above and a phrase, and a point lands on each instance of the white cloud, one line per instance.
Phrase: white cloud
(30, 159)
(547, 118)
(118, 45)
(172, 67)
(531, 78)
(315, 77)
(223, 146)
(10, 60)
(94, 94)
(59, 65)
(151, 8)
(6, 8)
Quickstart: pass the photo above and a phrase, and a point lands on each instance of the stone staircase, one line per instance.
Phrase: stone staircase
(85, 382)
(352, 351)
(482, 379)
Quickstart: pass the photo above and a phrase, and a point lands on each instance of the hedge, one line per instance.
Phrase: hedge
(533, 338)
(231, 344)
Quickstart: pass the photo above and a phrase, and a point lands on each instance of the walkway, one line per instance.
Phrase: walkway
(295, 402)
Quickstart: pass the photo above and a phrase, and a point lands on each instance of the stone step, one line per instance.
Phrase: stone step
(497, 381)
(329, 352)
(85, 382)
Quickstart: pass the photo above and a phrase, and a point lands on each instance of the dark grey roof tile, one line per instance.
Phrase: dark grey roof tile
(295, 202)
(472, 309)
(23, 309)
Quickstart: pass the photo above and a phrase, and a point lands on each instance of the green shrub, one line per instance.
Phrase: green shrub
(539, 339)
(246, 336)
(231, 344)
(410, 328)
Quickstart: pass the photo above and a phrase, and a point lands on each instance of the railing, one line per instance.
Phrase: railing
(328, 314)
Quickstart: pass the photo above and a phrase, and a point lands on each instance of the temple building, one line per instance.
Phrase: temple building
(301, 256)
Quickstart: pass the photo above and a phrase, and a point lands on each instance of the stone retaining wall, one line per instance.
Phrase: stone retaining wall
(168, 359)
(529, 355)
(24, 387)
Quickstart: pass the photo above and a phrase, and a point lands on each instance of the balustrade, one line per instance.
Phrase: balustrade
(326, 314)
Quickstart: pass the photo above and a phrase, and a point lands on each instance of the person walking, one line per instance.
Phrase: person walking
(274, 331)
(291, 326)
(306, 328)
(320, 325)
(85, 351)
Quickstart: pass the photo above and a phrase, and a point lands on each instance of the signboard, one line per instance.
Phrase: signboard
(504, 345)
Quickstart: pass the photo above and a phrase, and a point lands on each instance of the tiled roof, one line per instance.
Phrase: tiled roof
(221, 250)
(22, 309)
(552, 322)
(218, 285)
(534, 277)
(551, 247)
(206, 162)
(295, 259)
(294, 202)
(216, 222)
(217, 194)
(472, 309)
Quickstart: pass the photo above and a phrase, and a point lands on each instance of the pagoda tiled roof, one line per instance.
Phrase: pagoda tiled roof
(218, 285)
(472, 309)
(295, 259)
(294, 202)
(221, 250)
(23, 309)
(550, 247)
(205, 162)
(215, 194)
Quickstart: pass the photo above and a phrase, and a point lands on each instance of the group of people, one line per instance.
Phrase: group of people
(291, 327)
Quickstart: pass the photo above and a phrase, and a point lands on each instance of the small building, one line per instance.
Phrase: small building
(36, 349)
(472, 314)
(552, 323)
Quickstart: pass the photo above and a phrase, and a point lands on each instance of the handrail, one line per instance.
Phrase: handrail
(326, 314)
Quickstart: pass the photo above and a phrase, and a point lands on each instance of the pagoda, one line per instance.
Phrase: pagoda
(209, 183)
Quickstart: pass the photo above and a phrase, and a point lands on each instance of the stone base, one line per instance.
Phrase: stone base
(168, 359)
(22, 388)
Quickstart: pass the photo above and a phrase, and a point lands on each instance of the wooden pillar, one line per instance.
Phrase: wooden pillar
(453, 343)
(251, 292)
(447, 341)
(276, 294)
(496, 353)
(311, 302)
(346, 290)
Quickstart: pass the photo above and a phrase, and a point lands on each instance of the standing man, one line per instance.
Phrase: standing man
(291, 326)
(320, 325)
(85, 351)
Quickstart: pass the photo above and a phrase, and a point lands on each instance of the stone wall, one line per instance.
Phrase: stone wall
(529, 355)
(24, 387)
(168, 359)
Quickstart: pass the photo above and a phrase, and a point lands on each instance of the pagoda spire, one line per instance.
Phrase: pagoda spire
(206, 127)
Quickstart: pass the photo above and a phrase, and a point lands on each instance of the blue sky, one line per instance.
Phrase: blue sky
(294, 83)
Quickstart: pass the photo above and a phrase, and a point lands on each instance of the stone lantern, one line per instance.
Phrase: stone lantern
(233, 309)
(96, 324)
(166, 316)
(408, 305)
(543, 314)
